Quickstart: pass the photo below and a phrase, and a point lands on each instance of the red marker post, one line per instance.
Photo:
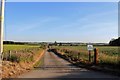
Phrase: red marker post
(95, 56)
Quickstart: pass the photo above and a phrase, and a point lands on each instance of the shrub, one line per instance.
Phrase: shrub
(14, 58)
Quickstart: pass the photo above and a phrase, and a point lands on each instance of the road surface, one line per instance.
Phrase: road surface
(55, 67)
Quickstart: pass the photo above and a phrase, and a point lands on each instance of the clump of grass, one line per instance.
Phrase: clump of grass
(107, 59)
(14, 58)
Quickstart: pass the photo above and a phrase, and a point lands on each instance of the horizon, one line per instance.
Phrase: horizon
(61, 21)
(54, 41)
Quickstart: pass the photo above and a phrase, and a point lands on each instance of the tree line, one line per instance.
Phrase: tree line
(20, 43)
(115, 42)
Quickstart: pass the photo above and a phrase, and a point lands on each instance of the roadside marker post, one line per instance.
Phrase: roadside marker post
(89, 56)
(95, 56)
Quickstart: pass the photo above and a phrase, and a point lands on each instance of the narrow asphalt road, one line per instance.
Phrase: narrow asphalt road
(55, 67)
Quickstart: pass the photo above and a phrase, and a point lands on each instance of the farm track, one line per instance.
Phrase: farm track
(55, 67)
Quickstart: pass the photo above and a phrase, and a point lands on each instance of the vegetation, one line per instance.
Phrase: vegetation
(115, 42)
(108, 55)
(40, 63)
(11, 47)
(18, 53)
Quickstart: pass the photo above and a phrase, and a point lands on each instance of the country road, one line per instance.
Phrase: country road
(55, 67)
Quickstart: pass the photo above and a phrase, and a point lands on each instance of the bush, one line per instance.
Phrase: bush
(14, 58)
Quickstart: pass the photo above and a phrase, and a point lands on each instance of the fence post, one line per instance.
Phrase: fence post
(95, 56)
(2, 56)
(9, 54)
(78, 56)
(89, 56)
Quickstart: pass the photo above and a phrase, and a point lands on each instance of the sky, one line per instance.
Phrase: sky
(61, 21)
(62, 0)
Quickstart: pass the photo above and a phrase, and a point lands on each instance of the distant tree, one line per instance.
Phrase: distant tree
(8, 42)
(60, 44)
(55, 43)
(112, 39)
(71, 44)
(43, 45)
(115, 42)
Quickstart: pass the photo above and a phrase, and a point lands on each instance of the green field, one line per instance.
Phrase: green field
(20, 52)
(6, 48)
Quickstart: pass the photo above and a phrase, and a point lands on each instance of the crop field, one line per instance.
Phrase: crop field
(6, 48)
(20, 52)
(107, 55)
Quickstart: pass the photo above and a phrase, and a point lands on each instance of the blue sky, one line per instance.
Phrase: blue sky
(62, 21)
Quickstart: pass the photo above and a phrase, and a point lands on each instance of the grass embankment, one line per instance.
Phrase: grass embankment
(20, 58)
(108, 56)
(39, 63)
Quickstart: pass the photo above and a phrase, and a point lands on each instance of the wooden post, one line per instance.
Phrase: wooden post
(89, 56)
(78, 56)
(9, 54)
(95, 56)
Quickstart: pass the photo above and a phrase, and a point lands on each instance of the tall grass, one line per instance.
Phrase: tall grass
(107, 54)
(20, 53)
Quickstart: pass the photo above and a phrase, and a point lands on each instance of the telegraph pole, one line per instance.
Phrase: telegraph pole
(1, 32)
(1, 25)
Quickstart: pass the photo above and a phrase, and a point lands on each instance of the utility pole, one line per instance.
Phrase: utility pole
(1, 25)
(2, 6)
